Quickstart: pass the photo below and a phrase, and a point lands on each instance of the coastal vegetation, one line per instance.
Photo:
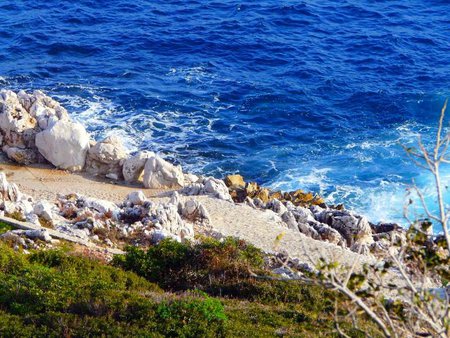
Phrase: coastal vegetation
(58, 293)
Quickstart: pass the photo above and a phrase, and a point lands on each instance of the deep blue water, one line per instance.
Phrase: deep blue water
(294, 94)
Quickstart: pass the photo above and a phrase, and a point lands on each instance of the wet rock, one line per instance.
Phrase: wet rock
(65, 145)
(106, 158)
(160, 174)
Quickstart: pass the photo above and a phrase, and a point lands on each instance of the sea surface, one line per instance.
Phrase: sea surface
(317, 95)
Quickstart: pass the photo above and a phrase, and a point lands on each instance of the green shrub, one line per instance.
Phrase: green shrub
(57, 294)
(187, 311)
(211, 265)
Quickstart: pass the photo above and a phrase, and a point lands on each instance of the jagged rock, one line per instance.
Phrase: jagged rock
(41, 234)
(13, 193)
(64, 145)
(259, 203)
(328, 234)
(13, 237)
(158, 235)
(133, 166)
(194, 189)
(234, 180)
(190, 178)
(308, 230)
(136, 198)
(289, 218)
(263, 195)
(16, 123)
(21, 155)
(44, 209)
(24, 207)
(386, 227)
(166, 217)
(106, 158)
(160, 174)
(22, 116)
(276, 206)
(355, 229)
(102, 206)
(217, 188)
(303, 214)
(194, 210)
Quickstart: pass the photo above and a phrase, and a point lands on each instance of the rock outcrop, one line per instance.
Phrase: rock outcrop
(22, 117)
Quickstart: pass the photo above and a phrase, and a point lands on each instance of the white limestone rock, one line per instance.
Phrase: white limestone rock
(65, 145)
(160, 174)
(16, 123)
(45, 210)
(133, 166)
(106, 158)
(99, 205)
(136, 198)
(208, 186)
(195, 211)
(217, 188)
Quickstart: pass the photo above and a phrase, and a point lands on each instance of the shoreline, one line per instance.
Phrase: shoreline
(100, 192)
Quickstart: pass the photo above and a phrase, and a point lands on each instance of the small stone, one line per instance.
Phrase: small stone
(136, 198)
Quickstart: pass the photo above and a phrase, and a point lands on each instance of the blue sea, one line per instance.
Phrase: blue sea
(317, 95)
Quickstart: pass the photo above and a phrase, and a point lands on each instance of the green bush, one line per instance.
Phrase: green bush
(212, 266)
(53, 293)
(57, 294)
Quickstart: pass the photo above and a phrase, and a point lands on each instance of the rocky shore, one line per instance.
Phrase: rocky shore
(35, 129)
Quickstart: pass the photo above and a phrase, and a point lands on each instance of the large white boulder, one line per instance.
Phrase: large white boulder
(134, 165)
(65, 145)
(160, 174)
